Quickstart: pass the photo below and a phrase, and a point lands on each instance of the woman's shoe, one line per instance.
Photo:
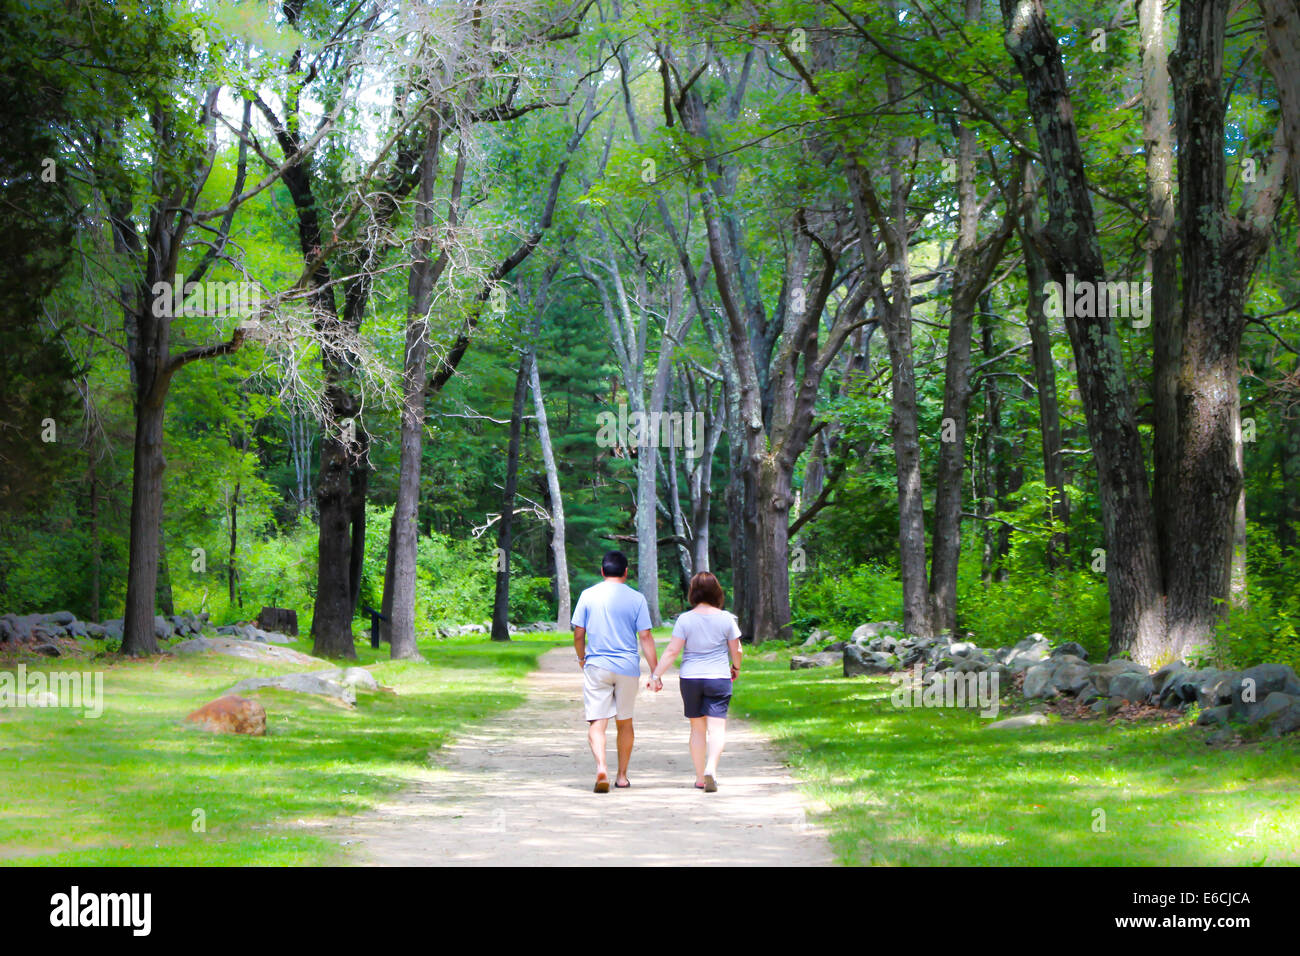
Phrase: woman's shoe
(710, 785)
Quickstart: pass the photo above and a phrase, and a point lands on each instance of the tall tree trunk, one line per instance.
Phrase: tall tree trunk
(646, 523)
(399, 589)
(1162, 249)
(165, 602)
(138, 637)
(555, 499)
(390, 565)
(505, 528)
(994, 481)
(896, 319)
(1070, 245)
(1220, 253)
(231, 572)
(1049, 414)
(332, 615)
(974, 262)
(1282, 57)
(358, 487)
(96, 550)
(1240, 591)
(1288, 531)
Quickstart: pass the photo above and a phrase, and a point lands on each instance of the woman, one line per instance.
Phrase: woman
(709, 640)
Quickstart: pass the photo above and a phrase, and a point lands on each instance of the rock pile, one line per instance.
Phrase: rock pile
(1266, 694)
(463, 630)
(42, 629)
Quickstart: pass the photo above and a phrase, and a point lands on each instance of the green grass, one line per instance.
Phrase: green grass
(121, 789)
(932, 787)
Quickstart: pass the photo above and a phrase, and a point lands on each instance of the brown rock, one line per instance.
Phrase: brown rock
(231, 715)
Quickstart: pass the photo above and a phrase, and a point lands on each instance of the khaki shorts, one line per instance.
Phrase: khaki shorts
(606, 694)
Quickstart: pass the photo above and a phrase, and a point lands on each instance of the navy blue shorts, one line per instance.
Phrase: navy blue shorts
(706, 696)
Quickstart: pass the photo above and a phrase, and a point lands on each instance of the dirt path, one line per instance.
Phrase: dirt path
(517, 791)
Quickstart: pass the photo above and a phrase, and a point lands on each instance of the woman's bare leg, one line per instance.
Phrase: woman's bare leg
(698, 747)
(717, 727)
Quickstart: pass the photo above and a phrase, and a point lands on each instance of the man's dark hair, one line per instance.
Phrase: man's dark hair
(614, 564)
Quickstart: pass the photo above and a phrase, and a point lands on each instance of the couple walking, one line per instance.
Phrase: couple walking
(609, 620)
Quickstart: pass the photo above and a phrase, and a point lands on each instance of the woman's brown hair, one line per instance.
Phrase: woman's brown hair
(705, 589)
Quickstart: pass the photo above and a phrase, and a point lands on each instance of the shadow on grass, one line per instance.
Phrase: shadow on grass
(140, 786)
(934, 786)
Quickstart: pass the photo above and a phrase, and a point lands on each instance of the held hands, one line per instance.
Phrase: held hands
(655, 683)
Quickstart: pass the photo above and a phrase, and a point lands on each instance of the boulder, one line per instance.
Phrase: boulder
(823, 659)
(962, 649)
(49, 650)
(1100, 675)
(350, 677)
(1088, 693)
(1038, 680)
(163, 629)
(96, 631)
(1015, 723)
(1216, 688)
(859, 662)
(1269, 679)
(301, 684)
(1070, 675)
(1073, 648)
(1161, 678)
(248, 650)
(22, 626)
(231, 715)
(816, 637)
(1182, 685)
(61, 618)
(1272, 705)
(864, 632)
(1131, 685)
(1026, 653)
(1285, 722)
(1214, 716)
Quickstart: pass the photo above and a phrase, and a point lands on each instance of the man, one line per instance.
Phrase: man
(608, 621)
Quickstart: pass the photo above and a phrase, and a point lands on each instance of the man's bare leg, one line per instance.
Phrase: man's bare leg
(596, 738)
(625, 737)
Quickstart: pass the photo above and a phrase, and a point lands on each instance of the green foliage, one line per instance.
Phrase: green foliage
(1068, 605)
(840, 602)
(1265, 630)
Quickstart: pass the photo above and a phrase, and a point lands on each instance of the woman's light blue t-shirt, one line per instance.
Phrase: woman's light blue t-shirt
(707, 636)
